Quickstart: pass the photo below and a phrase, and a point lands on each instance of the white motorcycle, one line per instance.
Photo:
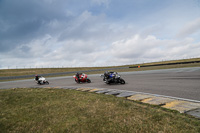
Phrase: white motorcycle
(41, 81)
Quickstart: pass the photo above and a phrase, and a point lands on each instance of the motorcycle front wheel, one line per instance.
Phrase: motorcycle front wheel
(76, 81)
(122, 81)
(108, 82)
(88, 80)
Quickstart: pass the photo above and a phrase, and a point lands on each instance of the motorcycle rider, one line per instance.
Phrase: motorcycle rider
(37, 79)
(78, 76)
(106, 75)
(112, 77)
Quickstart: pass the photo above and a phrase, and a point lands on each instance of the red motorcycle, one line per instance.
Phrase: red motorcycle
(81, 78)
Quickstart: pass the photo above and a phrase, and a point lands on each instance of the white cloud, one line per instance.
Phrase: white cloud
(190, 28)
(134, 47)
(94, 33)
(76, 53)
(138, 49)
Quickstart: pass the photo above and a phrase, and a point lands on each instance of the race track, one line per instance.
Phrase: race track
(180, 82)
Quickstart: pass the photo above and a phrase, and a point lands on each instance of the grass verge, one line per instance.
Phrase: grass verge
(59, 110)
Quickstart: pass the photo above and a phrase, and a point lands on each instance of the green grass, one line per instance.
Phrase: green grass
(20, 72)
(59, 110)
(165, 62)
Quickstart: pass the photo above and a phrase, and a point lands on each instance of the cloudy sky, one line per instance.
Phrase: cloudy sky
(75, 33)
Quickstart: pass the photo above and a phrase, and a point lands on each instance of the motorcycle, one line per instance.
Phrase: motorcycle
(41, 80)
(81, 78)
(112, 77)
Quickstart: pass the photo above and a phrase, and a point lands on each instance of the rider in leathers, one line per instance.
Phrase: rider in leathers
(37, 78)
(78, 76)
(109, 76)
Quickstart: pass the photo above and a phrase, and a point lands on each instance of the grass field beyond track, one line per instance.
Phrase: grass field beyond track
(58, 110)
(40, 71)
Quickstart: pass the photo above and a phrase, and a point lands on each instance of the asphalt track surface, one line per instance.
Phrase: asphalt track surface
(181, 82)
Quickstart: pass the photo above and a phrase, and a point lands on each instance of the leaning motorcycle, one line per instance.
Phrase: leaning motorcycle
(41, 81)
(113, 77)
(82, 78)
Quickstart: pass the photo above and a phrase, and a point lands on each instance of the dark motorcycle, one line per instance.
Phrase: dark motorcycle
(112, 77)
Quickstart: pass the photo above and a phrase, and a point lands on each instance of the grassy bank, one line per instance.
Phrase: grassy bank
(59, 110)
